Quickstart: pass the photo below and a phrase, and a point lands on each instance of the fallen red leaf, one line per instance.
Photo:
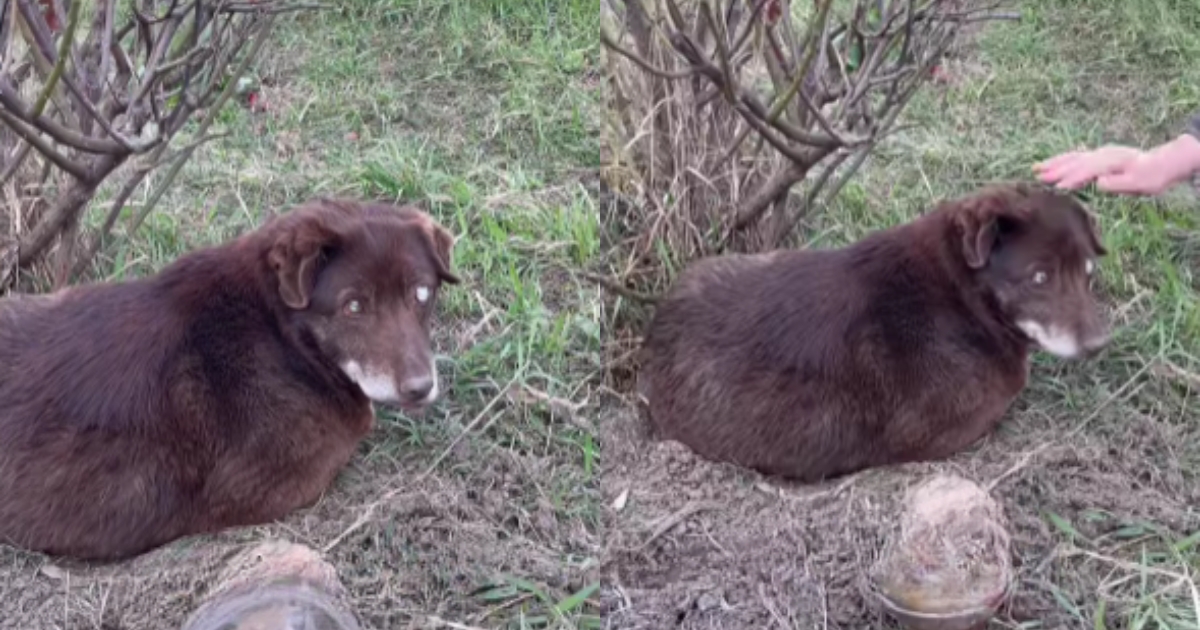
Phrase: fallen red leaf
(50, 14)
(774, 9)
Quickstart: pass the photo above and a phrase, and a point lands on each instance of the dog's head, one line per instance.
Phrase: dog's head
(1035, 250)
(363, 280)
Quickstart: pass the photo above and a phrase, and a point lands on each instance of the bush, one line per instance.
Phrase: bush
(93, 94)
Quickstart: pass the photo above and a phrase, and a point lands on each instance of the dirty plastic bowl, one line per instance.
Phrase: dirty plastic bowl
(282, 605)
(960, 620)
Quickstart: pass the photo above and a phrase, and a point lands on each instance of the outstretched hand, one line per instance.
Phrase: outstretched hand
(1124, 170)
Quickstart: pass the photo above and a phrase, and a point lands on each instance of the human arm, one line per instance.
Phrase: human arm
(1127, 170)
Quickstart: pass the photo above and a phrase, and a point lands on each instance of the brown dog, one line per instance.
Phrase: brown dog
(227, 390)
(907, 345)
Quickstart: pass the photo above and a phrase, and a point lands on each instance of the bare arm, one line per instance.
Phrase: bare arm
(1127, 170)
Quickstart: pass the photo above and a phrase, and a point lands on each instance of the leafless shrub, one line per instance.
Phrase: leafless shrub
(720, 108)
(96, 90)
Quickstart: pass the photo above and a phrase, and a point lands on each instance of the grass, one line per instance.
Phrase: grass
(1076, 73)
(484, 112)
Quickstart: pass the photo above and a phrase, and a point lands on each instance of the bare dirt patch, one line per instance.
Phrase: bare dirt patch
(701, 545)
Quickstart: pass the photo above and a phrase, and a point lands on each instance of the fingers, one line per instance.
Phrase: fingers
(1073, 178)
(1057, 161)
(1077, 168)
(1072, 172)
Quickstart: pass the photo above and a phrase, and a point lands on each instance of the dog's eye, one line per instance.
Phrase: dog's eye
(353, 307)
(1040, 277)
(422, 294)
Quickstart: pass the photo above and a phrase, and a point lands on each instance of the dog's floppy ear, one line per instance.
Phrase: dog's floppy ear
(297, 254)
(979, 219)
(1093, 225)
(442, 242)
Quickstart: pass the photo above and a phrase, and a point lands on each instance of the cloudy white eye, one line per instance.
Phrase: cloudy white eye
(422, 294)
(354, 307)
(1040, 277)
(1089, 267)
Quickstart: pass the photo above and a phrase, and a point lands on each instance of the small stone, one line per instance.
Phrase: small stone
(707, 602)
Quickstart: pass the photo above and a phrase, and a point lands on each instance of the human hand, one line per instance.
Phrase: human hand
(1077, 168)
(1124, 170)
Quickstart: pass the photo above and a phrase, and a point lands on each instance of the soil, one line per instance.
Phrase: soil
(694, 544)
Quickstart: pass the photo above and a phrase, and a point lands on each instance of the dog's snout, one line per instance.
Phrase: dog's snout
(417, 387)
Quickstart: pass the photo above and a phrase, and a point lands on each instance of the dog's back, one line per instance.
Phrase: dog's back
(810, 364)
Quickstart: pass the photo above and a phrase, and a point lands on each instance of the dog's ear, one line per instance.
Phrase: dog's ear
(442, 243)
(1093, 225)
(980, 220)
(298, 253)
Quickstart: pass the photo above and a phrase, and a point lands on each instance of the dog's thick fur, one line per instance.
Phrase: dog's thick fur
(227, 390)
(907, 345)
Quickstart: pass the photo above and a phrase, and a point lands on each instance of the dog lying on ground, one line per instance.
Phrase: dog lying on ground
(227, 390)
(908, 345)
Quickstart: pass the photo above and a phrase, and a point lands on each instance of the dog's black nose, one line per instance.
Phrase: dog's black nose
(417, 387)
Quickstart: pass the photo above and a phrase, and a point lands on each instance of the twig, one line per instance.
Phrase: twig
(18, 158)
(623, 291)
(439, 622)
(609, 42)
(816, 27)
(369, 512)
(31, 136)
(790, 220)
(69, 203)
(470, 427)
(64, 48)
(61, 134)
(753, 207)
(230, 86)
(673, 520)
(1028, 456)
(266, 9)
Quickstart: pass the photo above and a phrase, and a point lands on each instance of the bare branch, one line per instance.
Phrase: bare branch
(31, 136)
(748, 101)
(836, 81)
(259, 8)
(121, 88)
(67, 206)
(41, 42)
(815, 33)
(52, 128)
(612, 45)
(259, 41)
(18, 158)
(783, 179)
(100, 118)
